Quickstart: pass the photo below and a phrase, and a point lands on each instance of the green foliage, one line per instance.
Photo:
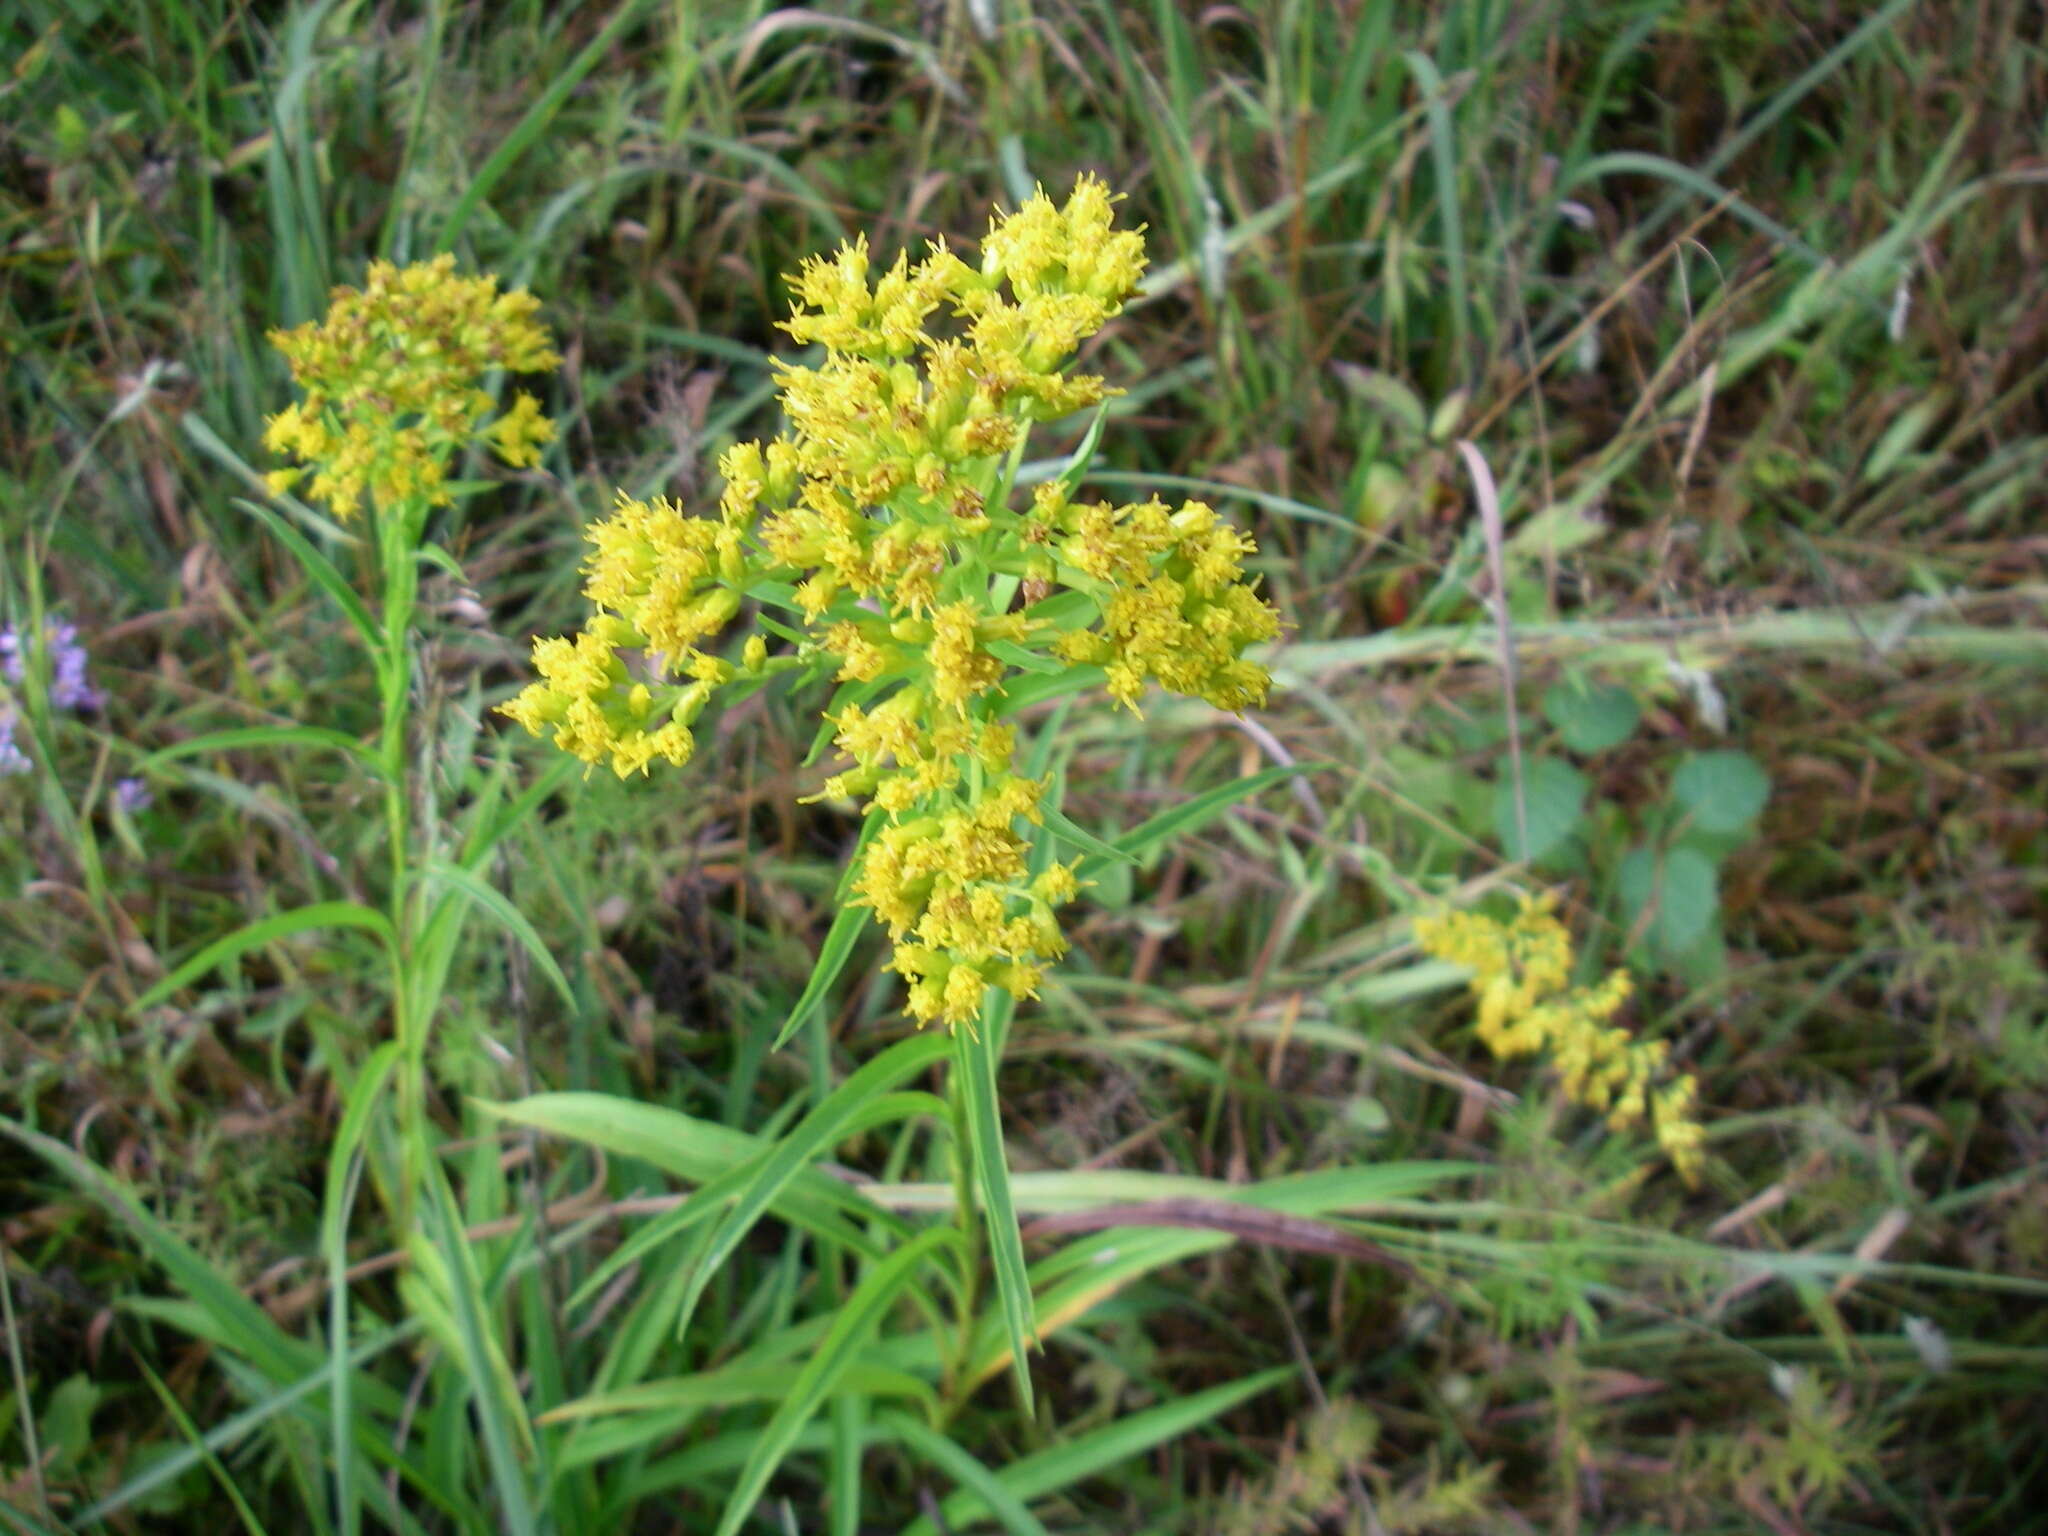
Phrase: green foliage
(1735, 303)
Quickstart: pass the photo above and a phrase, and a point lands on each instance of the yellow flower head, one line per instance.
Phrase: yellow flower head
(391, 376)
(883, 524)
(1521, 977)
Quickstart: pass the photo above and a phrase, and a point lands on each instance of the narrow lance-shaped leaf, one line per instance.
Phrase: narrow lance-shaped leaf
(853, 1325)
(974, 1064)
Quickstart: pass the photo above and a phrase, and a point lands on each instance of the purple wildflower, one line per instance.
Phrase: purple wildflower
(133, 796)
(68, 687)
(12, 758)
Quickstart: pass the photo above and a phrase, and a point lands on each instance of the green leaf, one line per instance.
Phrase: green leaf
(936, 1450)
(1025, 659)
(735, 1384)
(238, 1321)
(700, 1151)
(852, 1326)
(1682, 892)
(1721, 791)
(974, 1062)
(508, 1437)
(832, 957)
(1188, 815)
(320, 570)
(1591, 717)
(246, 737)
(820, 1130)
(1061, 1466)
(322, 914)
(1555, 794)
(509, 917)
(342, 1177)
(534, 123)
(1069, 831)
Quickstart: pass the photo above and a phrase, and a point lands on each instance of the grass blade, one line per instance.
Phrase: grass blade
(498, 1408)
(534, 123)
(1188, 815)
(822, 1128)
(246, 1327)
(855, 1322)
(700, 1151)
(832, 958)
(322, 914)
(974, 1068)
(246, 737)
(974, 1478)
(1050, 1470)
(343, 1173)
(510, 918)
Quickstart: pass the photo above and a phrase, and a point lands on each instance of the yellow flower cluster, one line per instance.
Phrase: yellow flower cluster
(882, 522)
(1521, 975)
(654, 576)
(391, 376)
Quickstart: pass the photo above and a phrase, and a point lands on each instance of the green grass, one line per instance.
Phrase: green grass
(1742, 308)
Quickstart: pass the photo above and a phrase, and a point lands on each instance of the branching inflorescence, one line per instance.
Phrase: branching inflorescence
(1521, 976)
(391, 375)
(883, 524)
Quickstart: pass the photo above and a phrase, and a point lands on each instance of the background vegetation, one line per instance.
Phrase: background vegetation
(1743, 308)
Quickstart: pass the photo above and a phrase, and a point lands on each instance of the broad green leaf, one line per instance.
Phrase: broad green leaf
(322, 914)
(1554, 793)
(852, 1326)
(1682, 888)
(1722, 792)
(1591, 717)
(975, 1066)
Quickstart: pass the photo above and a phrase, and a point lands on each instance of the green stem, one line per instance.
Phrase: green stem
(398, 532)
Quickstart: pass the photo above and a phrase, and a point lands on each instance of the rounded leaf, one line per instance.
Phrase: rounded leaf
(1682, 891)
(1721, 791)
(1591, 717)
(1555, 794)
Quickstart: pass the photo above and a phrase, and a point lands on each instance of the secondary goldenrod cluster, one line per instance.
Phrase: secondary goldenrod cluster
(391, 376)
(881, 523)
(1521, 975)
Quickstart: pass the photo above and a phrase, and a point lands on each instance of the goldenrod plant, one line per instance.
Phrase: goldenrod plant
(883, 527)
(882, 542)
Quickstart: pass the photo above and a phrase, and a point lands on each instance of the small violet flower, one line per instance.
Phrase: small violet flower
(132, 796)
(68, 687)
(12, 759)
